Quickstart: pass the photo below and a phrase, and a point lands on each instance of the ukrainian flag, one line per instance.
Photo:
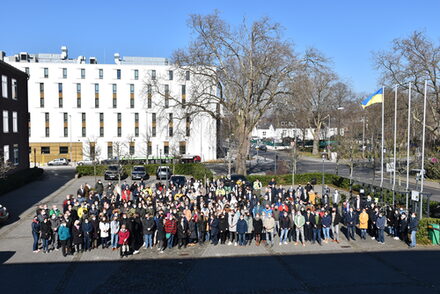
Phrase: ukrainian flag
(373, 99)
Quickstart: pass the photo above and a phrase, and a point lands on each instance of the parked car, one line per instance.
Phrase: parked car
(58, 161)
(139, 173)
(262, 148)
(114, 172)
(163, 173)
(87, 162)
(4, 214)
(178, 180)
(187, 158)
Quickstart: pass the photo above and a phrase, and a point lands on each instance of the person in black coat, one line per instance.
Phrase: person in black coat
(258, 228)
(351, 221)
(46, 233)
(87, 229)
(96, 232)
(182, 232)
(316, 222)
(214, 224)
(160, 236)
(201, 228)
(403, 228)
(77, 236)
(223, 228)
(192, 227)
(308, 227)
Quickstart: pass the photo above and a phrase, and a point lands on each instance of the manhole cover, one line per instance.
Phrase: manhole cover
(345, 246)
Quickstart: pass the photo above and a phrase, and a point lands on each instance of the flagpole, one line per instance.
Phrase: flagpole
(423, 150)
(395, 134)
(382, 141)
(408, 143)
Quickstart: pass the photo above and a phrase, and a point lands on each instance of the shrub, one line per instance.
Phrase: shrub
(422, 233)
(18, 179)
(197, 170)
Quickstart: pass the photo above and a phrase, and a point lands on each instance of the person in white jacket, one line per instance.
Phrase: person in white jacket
(104, 227)
(232, 221)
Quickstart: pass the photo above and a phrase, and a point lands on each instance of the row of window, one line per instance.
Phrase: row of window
(6, 121)
(114, 91)
(119, 125)
(118, 73)
(8, 157)
(132, 151)
(5, 88)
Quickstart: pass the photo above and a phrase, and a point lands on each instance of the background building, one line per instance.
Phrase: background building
(14, 137)
(81, 109)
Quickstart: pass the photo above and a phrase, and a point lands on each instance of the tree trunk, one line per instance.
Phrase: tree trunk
(242, 153)
(316, 134)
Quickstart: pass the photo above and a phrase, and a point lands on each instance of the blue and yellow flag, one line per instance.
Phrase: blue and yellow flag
(373, 99)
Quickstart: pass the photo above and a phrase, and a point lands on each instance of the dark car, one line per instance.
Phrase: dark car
(262, 148)
(178, 181)
(114, 172)
(163, 173)
(235, 178)
(139, 173)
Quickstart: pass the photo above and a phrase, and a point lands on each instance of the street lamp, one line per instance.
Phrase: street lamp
(323, 180)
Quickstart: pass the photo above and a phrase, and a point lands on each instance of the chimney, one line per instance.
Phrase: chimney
(2, 55)
(64, 52)
(93, 60)
(81, 59)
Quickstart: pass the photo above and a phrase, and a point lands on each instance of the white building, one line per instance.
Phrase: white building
(270, 132)
(78, 106)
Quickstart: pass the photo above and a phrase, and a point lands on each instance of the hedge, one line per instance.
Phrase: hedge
(422, 233)
(197, 170)
(20, 178)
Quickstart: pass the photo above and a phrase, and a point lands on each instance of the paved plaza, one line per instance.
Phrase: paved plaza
(361, 266)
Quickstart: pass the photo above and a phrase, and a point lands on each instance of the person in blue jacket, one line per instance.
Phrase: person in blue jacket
(241, 230)
(64, 235)
(36, 227)
(380, 224)
(412, 228)
(350, 222)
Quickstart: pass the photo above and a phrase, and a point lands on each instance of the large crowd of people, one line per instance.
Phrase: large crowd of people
(129, 217)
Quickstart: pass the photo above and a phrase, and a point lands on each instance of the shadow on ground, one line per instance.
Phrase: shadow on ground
(378, 272)
(21, 199)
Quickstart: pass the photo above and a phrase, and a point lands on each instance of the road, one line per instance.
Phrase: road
(266, 163)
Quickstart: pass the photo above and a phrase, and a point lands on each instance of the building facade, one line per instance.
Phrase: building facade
(14, 137)
(81, 109)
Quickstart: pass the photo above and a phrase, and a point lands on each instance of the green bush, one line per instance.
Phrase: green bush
(422, 233)
(18, 179)
(432, 169)
(197, 170)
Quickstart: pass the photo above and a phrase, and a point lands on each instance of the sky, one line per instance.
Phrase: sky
(348, 32)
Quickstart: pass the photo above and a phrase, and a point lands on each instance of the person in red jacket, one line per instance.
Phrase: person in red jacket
(123, 235)
(170, 229)
(126, 194)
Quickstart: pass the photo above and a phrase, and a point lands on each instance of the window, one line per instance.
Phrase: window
(96, 88)
(119, 115)
(26, 70)
(78, 88)
(5, 121)
(109, 151)
(78, 102)
(167, 96)
(5, 86)
(153, 128)
(166, 148)
(64, 73)
(65, 116)
(83, 131)
(136, 131)
(187, 75)
(41, 95)
(131, 95)
(64, 149)
(136, 117)
(83, 73)
(96, 102)
(66, 132)
(115, 103)
(170, 125)
(83, 117)
(14, 122)
(183, 95)
(188, 125)
(131, 88)
(14, 89)
(45, 150)
(136, 124)
(182, 147)
(153, 74)
(118, 74)
(119, 132)
(6, 153)
(47, 132)
(101, 131)
(16, 154)
(101, 117)
(101, 73)
(149, 148)
(60, 88)
(131, 148)
(46, 72)
(46, 117)
(170, 75)
(136, 74)
(149, 96)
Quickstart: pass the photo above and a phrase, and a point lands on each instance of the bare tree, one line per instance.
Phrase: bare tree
(234, 71)
(415, 59)
(313, 90)
(92, 151)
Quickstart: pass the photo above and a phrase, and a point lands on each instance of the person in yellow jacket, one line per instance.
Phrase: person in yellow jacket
(312, 197)
(363, 223)
(82, 210)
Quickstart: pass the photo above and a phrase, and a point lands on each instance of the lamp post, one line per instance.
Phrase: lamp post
(70, 139)
(323, 180)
